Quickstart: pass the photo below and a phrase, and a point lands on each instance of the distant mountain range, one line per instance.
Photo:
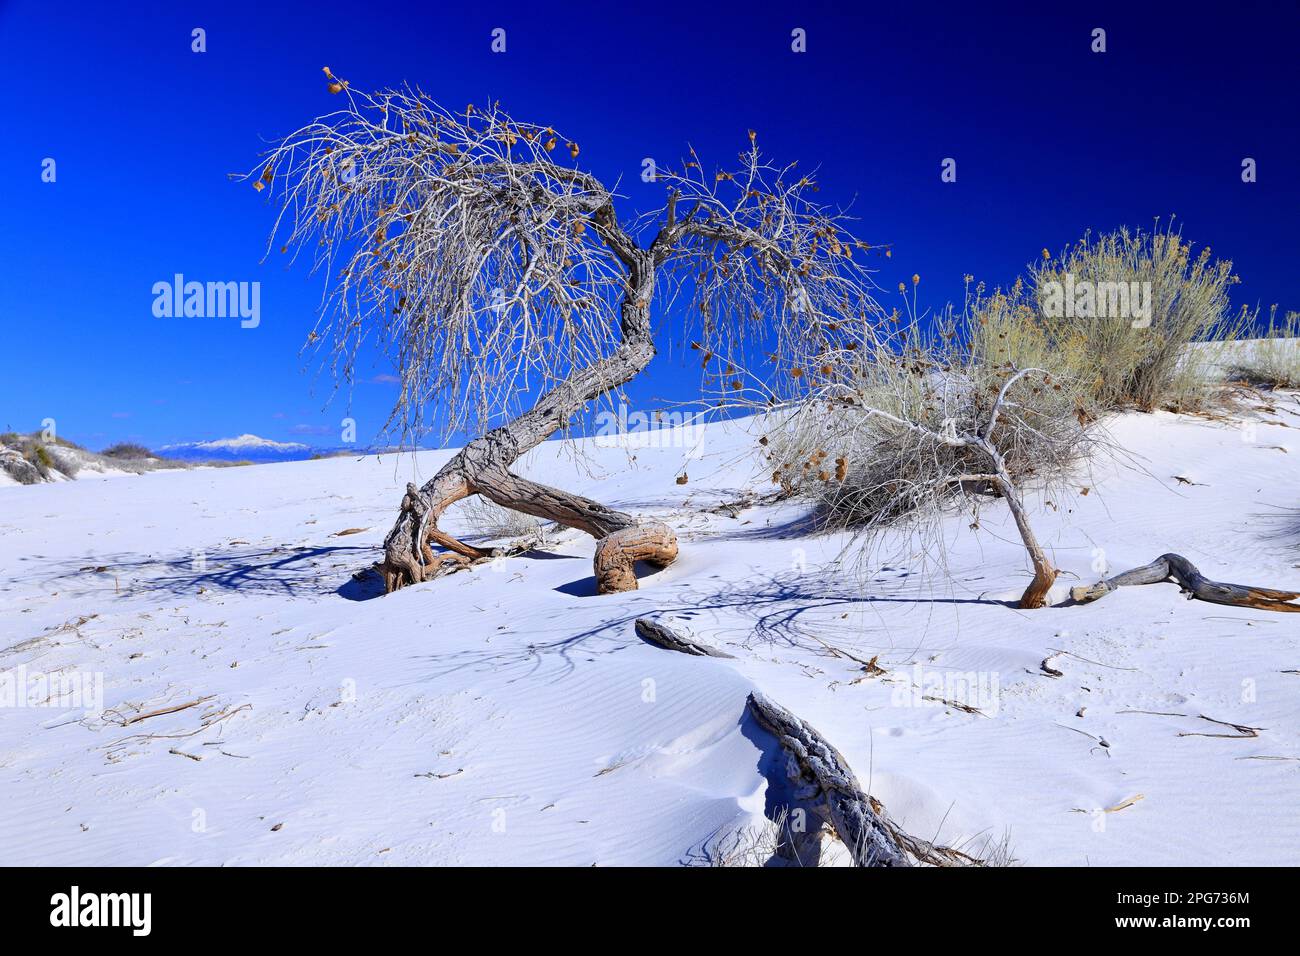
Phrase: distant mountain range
(245, 448)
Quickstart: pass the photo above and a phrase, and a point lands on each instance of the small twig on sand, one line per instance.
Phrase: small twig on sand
(1243, 730)
(1122, 805)
(164, 710)
(952, 703)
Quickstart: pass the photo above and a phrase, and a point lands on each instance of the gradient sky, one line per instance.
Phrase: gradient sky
(1050, 140)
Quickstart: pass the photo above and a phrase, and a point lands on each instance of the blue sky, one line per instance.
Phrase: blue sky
(1050, 139)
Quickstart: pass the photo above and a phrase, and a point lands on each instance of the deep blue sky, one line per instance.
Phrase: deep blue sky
(1050, 139)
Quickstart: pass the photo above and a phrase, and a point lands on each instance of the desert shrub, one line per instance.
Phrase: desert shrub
(1273, 360)
(491, 521)
(126, 450)
(864, 447)
(1148, 366)
(38, 455)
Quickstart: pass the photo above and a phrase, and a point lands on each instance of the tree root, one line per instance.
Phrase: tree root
(1193, 584)
(823, 776)
(618, 553)
(674, 638)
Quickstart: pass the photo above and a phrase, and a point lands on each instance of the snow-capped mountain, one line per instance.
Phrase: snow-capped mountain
(243, 448)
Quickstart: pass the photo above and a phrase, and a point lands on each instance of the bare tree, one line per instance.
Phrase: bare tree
(487, 269)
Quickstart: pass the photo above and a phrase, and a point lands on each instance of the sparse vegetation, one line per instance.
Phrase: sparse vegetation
(128, 450)
(1274, 360)
(875, 432)
(38, 456)
(33, 458)
(1147, 366)
(906, 435)
(491, 521)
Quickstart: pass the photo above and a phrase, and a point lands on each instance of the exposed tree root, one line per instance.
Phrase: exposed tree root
(677, 639)
(823, 778)
(1193, 584)
(618, 553)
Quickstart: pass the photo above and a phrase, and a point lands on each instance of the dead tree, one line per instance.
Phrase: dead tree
(474, 251)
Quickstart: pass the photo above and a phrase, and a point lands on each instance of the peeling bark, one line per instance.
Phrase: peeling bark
(1193, 584)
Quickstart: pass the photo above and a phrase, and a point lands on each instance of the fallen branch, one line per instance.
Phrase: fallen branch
(164, 710)
(674, 639)
(825, 775)
(1193, 584)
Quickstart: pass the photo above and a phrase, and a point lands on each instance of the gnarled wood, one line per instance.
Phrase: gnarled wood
(483, 466)
(1193, 584)
(674, 639)
(618, 553)
(821, 770)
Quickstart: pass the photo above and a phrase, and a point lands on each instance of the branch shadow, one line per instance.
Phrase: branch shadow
(783, 609)
(295, 572)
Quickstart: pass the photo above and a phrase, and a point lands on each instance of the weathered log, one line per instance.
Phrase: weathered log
(1193, 584)
(823, 774)
(674, 638)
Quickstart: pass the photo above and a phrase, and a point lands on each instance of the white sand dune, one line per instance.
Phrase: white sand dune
(509, 715)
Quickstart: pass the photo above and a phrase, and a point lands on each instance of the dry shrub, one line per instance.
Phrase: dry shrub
(1274, 360)
(860, 438)
(869, 470)
(492, 522)
(1146, 367)
(128, 450)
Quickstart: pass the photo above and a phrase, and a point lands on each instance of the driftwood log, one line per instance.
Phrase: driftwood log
(1193, 584)
(671, 638)
(823, 776)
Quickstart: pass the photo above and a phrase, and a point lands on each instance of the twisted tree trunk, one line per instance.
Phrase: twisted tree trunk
(482, 467)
